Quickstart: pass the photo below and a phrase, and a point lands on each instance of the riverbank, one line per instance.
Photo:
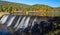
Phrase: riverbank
(2, 13)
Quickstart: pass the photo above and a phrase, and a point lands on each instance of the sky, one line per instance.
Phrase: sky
(53, 3)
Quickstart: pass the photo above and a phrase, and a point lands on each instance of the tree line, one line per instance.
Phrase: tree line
(43, 9)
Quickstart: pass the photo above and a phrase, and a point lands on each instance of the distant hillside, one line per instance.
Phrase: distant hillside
(7, 5)
(11, 7)
(6, 2)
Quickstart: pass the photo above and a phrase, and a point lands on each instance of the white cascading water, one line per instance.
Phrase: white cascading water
(4, 18)
(27, 22)
(17, 22)
(10, 21)
(33, 22)
(21, 23)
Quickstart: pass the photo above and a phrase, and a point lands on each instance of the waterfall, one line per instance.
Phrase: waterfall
(4, 18)
(27, 22)
(10, 21)
(15, 20)
(18, 22)
(21, 23)
(30, 21)
(34, 22)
